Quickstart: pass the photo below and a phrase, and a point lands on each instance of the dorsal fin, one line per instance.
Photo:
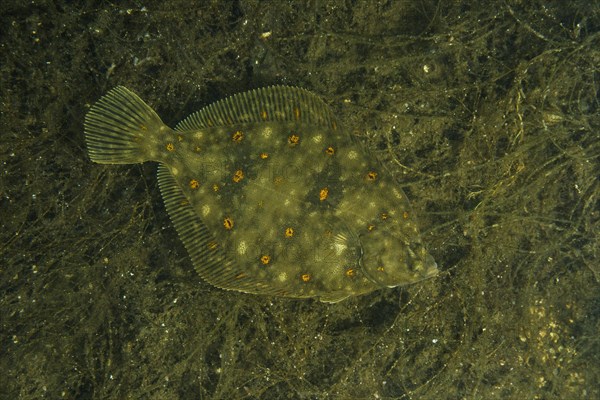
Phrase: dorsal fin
(274, 103)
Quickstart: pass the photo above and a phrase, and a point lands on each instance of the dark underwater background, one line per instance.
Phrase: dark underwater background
(488, 115)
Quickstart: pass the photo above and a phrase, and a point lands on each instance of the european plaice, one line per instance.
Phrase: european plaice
(268, 194)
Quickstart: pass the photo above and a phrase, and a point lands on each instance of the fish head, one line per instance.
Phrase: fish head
(390, 259)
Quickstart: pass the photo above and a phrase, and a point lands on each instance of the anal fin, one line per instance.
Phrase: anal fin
(208, 255)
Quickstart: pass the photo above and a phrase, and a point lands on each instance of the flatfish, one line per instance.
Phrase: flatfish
(268, 194)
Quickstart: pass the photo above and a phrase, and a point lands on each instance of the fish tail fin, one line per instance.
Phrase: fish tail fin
(115, 126)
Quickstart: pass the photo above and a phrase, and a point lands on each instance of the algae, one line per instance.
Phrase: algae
(487, 114)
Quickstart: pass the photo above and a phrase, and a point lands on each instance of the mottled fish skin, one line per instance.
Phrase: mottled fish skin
(268, 194)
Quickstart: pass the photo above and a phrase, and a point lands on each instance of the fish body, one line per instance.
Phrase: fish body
(268, 194)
